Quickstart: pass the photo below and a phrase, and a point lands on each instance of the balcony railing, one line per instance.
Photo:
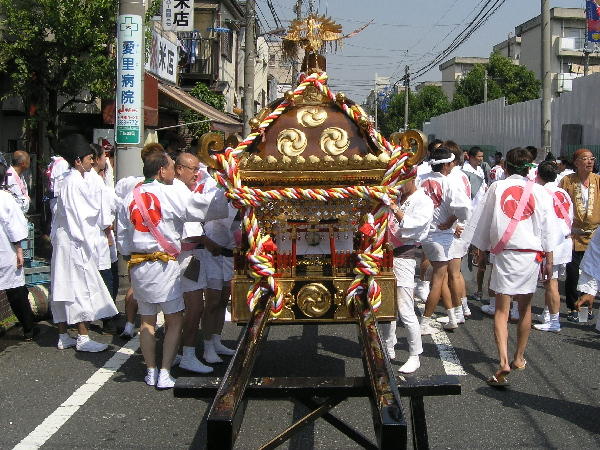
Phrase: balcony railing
(573, 44)
(203, 62)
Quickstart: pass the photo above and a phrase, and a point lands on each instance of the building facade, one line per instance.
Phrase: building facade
(456, 68)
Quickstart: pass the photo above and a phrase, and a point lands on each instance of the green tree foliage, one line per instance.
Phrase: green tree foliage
(201, 91)
(505, 79)
(52, 49)
(430, 101)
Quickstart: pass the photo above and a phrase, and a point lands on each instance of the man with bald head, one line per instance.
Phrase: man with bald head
(186, 169)
(15, 182)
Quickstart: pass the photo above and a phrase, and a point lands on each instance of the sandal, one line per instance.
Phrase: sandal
(515, 367)
(499, 380)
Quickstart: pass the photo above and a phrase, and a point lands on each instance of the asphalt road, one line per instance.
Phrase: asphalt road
(554, 403)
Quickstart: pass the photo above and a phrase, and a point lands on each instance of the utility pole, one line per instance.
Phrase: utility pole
(406, 93)
(129, 129)
(485, 87)
(586, 51)
(296, 63)
(375, 92)
(547, 78)
(249, 63)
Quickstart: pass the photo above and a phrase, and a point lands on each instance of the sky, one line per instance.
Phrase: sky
(405, 32)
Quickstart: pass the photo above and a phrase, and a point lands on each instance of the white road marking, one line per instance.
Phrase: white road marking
(448, 355)
(69, 407)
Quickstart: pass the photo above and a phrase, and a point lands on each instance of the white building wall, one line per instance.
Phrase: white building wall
(519, 125)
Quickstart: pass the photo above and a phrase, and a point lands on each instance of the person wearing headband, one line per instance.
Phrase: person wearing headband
(450, 205)
(516, 226)
(583, 187)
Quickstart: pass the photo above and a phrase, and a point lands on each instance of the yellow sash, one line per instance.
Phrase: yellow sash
(138, 258)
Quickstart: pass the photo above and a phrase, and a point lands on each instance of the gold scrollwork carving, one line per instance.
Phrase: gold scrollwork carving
(408, 140)
(314, 300)
(209, 142)
(291, 142)
(334, 141)
(311, 116)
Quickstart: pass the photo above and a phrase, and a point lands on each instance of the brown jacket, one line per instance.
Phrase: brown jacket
(585, 221)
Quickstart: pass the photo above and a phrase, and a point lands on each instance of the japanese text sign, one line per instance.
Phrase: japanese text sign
(178, 15)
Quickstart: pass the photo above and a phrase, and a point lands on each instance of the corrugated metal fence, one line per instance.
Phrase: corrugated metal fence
(507, 126)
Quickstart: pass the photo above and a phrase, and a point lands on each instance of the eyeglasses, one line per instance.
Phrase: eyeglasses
(587, 158)
(193, 169)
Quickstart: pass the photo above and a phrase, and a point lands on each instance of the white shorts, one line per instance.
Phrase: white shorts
(218, 269)
(404, 271)
(587, 284)
(458, 248)
(514, 273)
(439, 249)
(151, 309)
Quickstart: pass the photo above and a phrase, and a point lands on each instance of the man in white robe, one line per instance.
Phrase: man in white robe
(15, 182)
(450, 205)
(563, 216)
(13, 230)
(515, 225)
(409, 223)
(79, 294)
(150, 226)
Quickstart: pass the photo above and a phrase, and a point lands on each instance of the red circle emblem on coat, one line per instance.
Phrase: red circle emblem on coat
(467, 184)
(510, 200)
(152, 205)
(561, 199)
(434, 190)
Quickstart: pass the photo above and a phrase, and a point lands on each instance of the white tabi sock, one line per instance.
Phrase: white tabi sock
(82, 339)
(210, 354)
(458, 312)
(64, 336)
(189, 352)
(129, 327)
(553, 317)
(465, 306)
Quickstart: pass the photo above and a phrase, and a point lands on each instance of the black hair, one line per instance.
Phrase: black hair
(3, 172)
(153, 163)
(566, 160)
(74, 147)
(498, 154)
(456, 150)
(474, 150)
(98, 150)
(517, 161)
(439, 154)
(433, 144)
(547, 171)
(533, 150)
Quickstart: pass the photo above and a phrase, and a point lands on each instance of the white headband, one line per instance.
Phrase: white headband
(435, 162)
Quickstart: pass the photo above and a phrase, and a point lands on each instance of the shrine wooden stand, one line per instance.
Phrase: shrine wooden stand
(319, 394)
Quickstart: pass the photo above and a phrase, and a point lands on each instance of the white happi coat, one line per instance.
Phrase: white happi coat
(170, 208)
(563, 251)
(422, 169)
(448, 199)
(78, 291)
(533, 231)
(590, 263)
(516, 272)
(460, 245)
(497, 173)
(13, 228)
(57, 171)
(106, 253)
(16, 184)
(467, 167)
(412, 229)
(125, 186)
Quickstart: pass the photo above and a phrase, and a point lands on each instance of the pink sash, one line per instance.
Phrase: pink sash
(516, 218)
(19, 181)
(167, 246)
(562, 209)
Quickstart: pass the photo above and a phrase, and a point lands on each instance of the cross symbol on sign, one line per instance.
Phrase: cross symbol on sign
(128, 27)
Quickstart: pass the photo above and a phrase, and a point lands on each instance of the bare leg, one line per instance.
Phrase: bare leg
(131, 306)
(212, 304)
(147, 340)
(440, 269)
(220, 314)
(446, 294)
(423, 268)
(174, 324)
(480, 277)
(523, 327)
(62, 327)
(82, 329)
(456, 282)
(501, 329)
(194, 307)
(552, 296)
